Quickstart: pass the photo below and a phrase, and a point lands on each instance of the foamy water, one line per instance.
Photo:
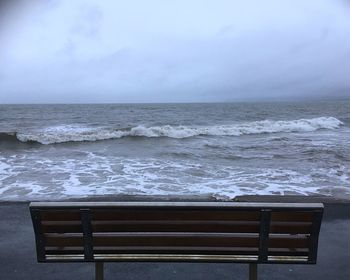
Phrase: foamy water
(77, 133)
(101, 176)
(214, 150)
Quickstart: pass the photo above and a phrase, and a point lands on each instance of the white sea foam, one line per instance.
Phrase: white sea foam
(68, 133)
(76, 133)
(97, 175)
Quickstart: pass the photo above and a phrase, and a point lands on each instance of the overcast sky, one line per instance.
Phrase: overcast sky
(64, 51)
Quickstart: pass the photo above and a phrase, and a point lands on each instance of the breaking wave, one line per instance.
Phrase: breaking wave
(76, 133)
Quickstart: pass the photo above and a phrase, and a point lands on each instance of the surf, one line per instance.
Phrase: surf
(77, 133)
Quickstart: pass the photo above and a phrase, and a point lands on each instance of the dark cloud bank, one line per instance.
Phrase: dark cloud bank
(151, 51)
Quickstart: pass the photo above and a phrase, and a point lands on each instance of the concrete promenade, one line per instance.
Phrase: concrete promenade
(18, 257)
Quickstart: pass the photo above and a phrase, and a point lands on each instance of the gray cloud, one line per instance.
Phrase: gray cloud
(152, 51)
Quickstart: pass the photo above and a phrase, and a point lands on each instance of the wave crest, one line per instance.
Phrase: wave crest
(75, 133)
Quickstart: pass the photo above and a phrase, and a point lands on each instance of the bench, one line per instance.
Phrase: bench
(215, 232)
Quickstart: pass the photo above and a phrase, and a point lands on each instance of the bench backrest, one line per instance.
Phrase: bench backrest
(177, 231)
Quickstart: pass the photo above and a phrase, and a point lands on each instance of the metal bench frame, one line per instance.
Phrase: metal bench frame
(265, 236)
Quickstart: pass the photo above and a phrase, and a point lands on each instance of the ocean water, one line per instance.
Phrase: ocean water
(217, 150)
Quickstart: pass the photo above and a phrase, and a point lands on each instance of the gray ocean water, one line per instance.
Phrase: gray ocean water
(220, 150)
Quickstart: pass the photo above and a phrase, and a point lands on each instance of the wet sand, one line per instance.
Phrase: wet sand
(18, 257)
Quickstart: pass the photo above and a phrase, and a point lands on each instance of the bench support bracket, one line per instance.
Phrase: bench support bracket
(99, 270)
(253, 271)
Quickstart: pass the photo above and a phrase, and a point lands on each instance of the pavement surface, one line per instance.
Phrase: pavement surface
(18, 256)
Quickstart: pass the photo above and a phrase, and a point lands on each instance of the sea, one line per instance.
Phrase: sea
(216, 150)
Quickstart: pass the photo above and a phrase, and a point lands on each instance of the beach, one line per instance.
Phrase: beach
(18, 257)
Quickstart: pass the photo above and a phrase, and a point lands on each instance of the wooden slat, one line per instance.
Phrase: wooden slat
(291, 227)
(291, 216)
(185, 240)
(152, 226)
(178, 249)
(198, 249)
(155, 258)
(179, 215)
(64, 250)
(154, 239)
(288, 252)
(60, 215)
(288, 241)
(232, 250)
(155, 250)
(62, 240)
(168, 226)
(61, 226)
(176, 226)
(288, 259)
(177, 240)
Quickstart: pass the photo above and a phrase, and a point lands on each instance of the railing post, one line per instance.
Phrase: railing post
(99, 271)
(253, 271)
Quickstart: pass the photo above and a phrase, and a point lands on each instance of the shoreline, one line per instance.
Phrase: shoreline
(198, 198)
(18, 256)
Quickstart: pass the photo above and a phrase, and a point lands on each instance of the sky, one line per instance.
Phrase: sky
(99, 51)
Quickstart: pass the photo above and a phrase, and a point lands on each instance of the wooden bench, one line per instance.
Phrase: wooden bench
(177, 232)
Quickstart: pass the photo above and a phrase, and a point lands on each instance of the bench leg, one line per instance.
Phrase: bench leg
(99, 271)
(253, 271)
